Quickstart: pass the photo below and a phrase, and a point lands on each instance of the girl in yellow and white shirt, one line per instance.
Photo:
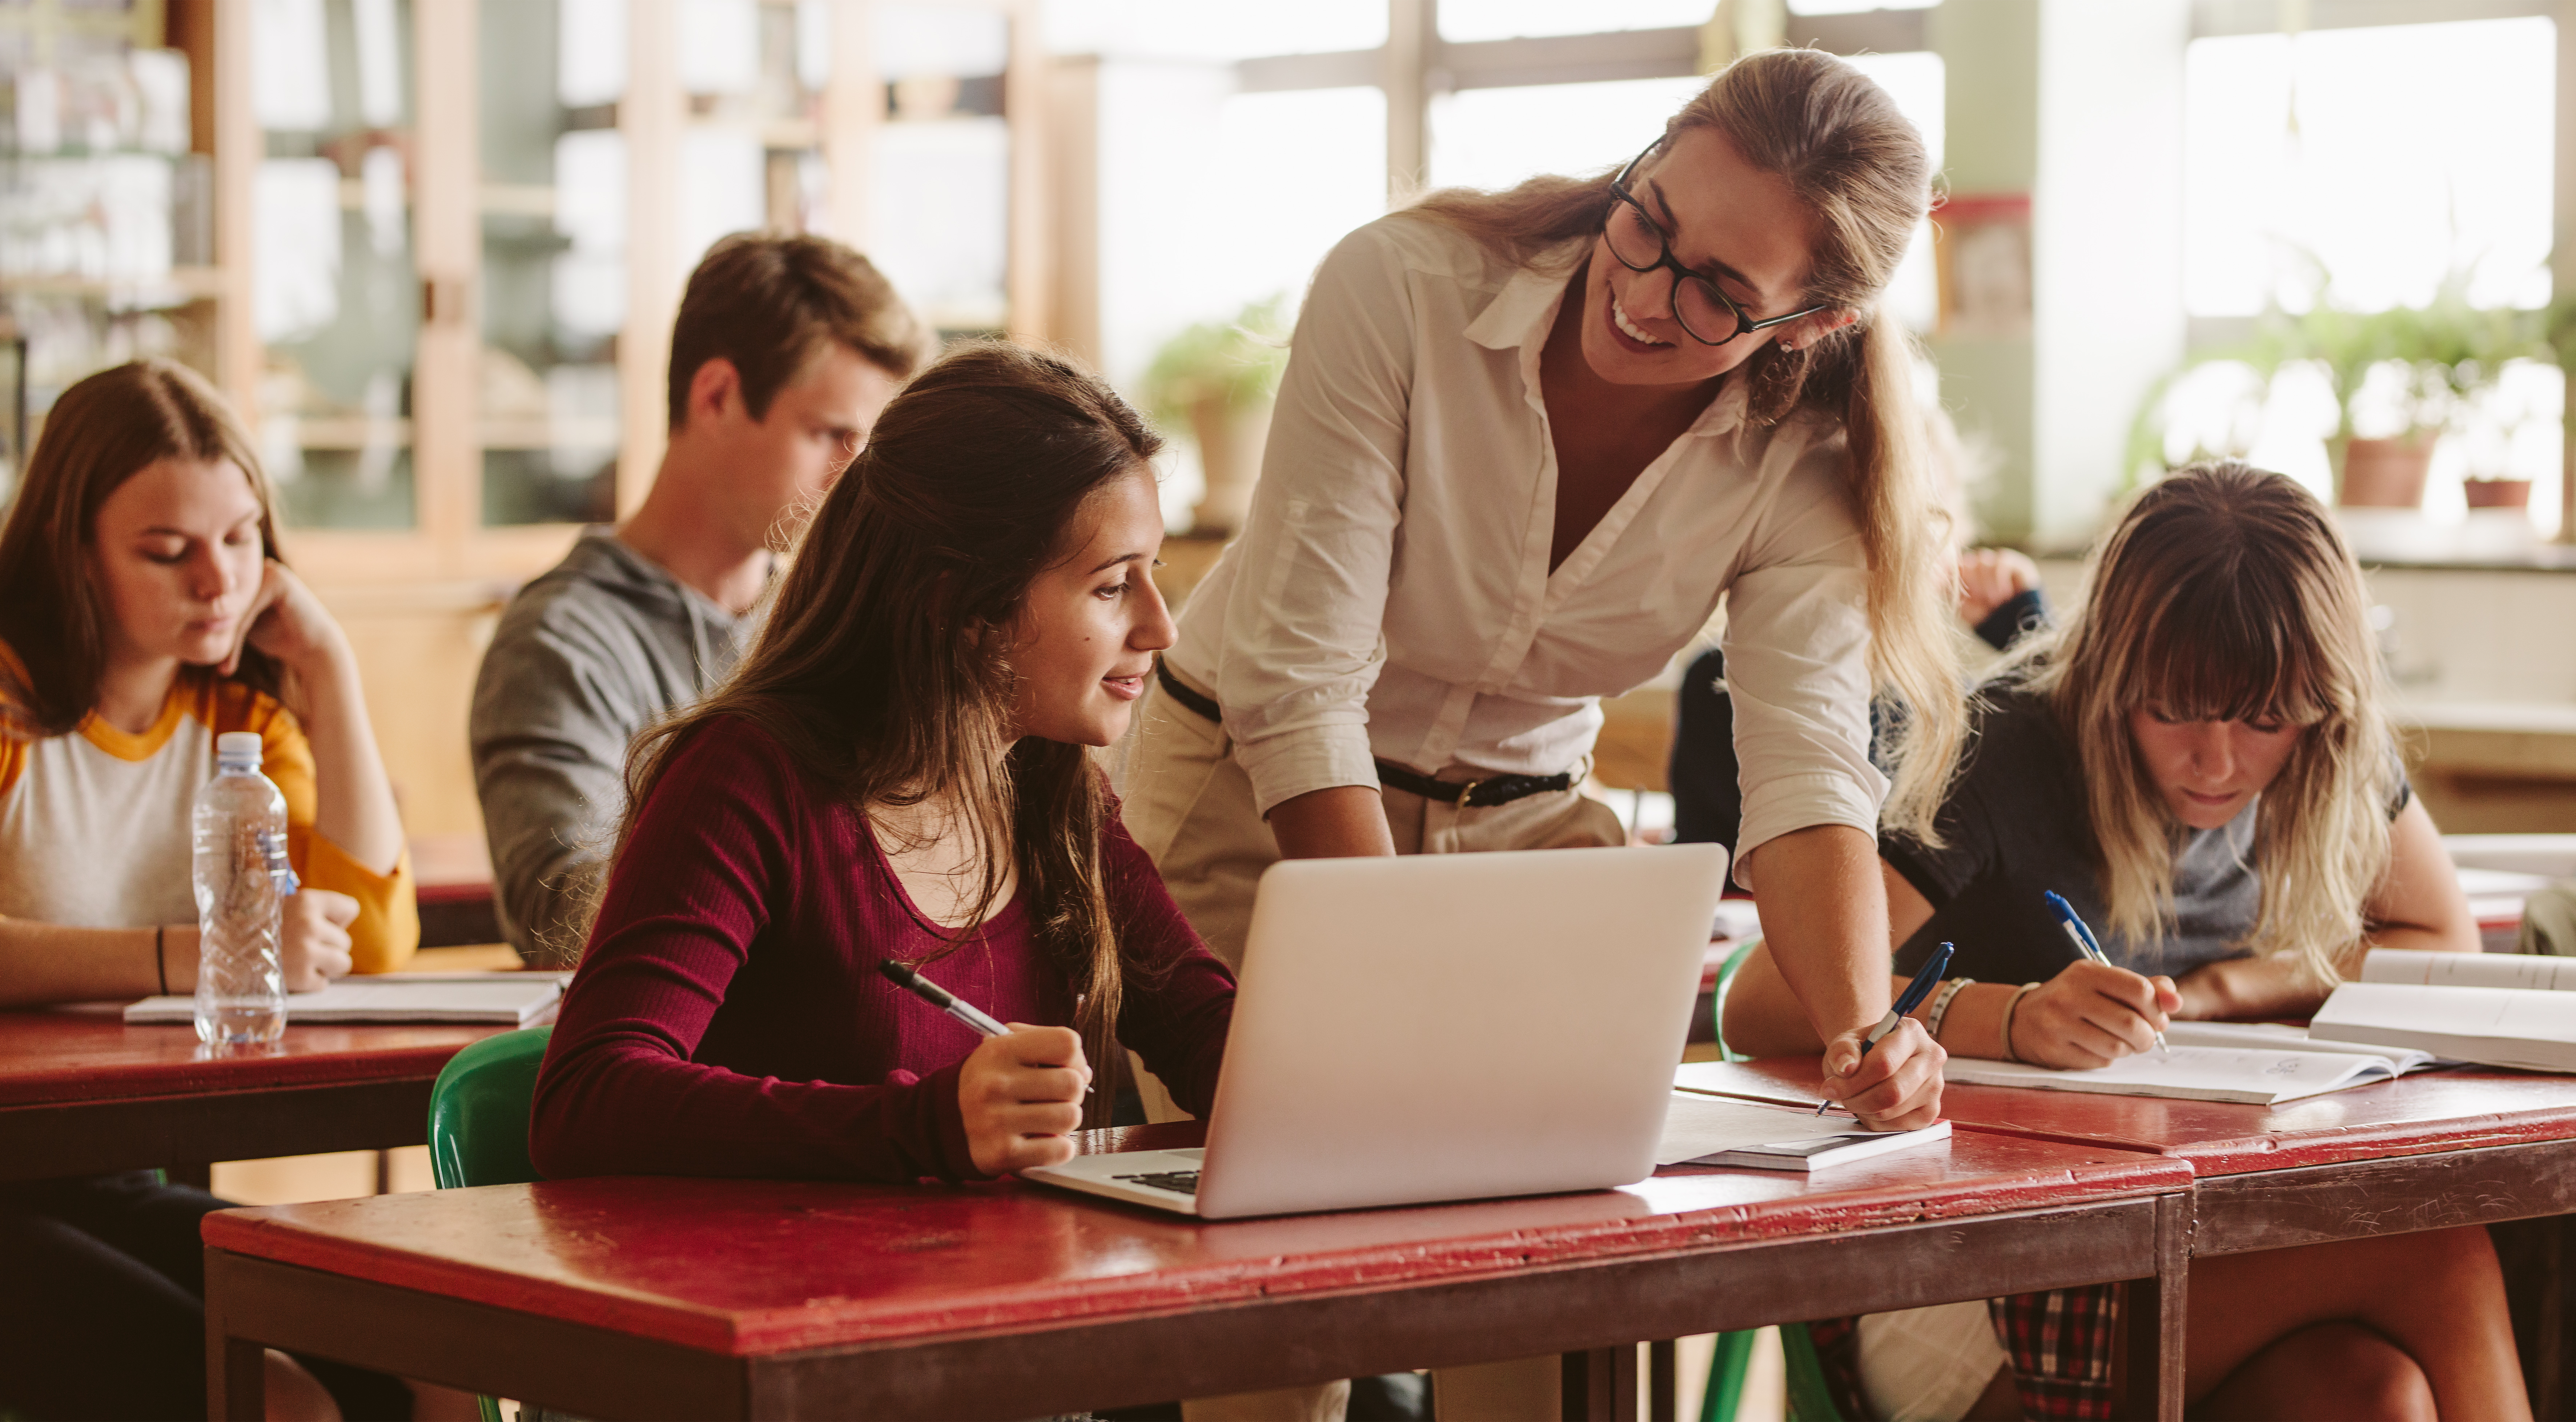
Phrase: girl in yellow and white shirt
(143, 611)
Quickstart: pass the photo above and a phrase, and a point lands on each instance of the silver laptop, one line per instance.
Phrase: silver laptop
(1443, 1027)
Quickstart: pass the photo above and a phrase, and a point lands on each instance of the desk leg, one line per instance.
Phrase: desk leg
(1663, 1380)
(2152, 1384)
(1599, 1385)
(236, 1376)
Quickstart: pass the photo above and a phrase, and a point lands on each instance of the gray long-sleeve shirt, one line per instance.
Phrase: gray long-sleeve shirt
(600, 647)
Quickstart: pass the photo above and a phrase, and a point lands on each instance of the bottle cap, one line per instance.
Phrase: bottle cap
(237, 749)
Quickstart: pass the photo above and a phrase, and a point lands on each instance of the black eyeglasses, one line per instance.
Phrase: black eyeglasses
(1641, 245)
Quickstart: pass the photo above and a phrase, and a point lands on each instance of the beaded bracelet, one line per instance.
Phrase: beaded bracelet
(1941, 1005)
(2011, 1007)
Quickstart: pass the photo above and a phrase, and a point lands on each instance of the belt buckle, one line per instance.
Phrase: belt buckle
(1465, 793)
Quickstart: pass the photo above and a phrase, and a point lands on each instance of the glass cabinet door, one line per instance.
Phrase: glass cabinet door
(335, 295)
(552, 195)
(939, 178)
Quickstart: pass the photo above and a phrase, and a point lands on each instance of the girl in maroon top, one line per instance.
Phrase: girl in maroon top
(898, 770)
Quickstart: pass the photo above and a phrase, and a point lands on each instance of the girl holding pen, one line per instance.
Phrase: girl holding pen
(2199, 762)
(899, 771)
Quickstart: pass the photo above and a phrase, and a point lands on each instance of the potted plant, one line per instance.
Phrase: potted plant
(1217, 378)
(2432, 365)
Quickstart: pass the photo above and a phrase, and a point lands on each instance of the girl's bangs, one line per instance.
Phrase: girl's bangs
(2218, 651)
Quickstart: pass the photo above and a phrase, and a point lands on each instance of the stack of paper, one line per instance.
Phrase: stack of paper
(510, 999)
(1704, 1130)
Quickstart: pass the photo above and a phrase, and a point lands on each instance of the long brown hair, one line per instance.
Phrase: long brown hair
(100, 433)
(881, 667)
(2225, 593)
(1842, 147)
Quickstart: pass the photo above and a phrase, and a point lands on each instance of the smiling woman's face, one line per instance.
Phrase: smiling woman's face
(1086, 634)
(2209, 771)
(1730, 222)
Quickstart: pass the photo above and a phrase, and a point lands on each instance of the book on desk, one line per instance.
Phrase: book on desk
(507, 999)
(2498, 1009)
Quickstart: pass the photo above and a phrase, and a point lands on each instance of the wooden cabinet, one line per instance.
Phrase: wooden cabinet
(451, 237)
(443, 242)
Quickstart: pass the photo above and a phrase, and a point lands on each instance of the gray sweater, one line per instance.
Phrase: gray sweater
(600, 647)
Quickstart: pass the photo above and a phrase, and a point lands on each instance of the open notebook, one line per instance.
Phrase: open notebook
(2502, 1009)
(2262, 1076)
(1705, 1130)
(509, 999)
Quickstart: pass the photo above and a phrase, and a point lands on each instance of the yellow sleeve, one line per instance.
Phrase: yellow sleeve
(13, 751)
(386, 931)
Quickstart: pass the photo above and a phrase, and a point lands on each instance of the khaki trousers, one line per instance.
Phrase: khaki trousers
(1190, 807)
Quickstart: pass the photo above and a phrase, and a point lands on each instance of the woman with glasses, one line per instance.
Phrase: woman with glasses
(1527, 445)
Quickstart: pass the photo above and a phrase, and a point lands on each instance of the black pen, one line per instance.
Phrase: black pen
(1926, 978)
(941, 998)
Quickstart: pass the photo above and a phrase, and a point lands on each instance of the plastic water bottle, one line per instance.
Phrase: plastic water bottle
(239, 824)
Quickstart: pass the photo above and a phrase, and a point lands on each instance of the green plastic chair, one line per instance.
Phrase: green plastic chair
(1810, 1399)
(478, 1119)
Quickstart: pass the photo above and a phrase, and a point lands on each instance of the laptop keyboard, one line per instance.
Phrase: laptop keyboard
(1179, 1182)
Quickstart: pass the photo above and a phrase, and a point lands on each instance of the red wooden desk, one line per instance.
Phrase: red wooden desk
(81, 1093)
(681, 1297)
(2455, 1147)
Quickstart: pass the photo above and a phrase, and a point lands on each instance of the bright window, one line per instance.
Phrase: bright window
(2389, 156)
(1212, 29)
(1507, 19)
(1493, 138)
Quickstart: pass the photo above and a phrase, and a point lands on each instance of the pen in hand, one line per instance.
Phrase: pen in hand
(1926, 978)
(941, 998)
(2086, 944)
(974, 1017)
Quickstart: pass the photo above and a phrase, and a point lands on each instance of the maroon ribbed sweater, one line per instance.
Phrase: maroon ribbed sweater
(729, 1019)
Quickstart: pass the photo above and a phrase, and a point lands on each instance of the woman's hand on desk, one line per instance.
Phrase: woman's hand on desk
(1021, 1095)
(1896, 1085)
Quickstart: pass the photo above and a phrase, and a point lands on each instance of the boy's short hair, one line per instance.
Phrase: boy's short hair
(769, 301)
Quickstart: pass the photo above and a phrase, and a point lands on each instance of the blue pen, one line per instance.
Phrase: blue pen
(2087, 944)
(1926, 978)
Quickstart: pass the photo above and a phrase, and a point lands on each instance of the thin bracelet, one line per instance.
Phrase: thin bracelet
(1941, 1005)
(160, 964)
(2010, 1007)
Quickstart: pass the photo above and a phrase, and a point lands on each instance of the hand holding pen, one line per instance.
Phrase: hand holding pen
(1926, 978)
(1020, 1091)
(2090, 948)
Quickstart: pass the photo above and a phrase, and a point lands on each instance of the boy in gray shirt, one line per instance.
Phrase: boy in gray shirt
(785, 350)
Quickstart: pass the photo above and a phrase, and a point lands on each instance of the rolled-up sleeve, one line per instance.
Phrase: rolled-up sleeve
(1302, 641)
(1797, 665)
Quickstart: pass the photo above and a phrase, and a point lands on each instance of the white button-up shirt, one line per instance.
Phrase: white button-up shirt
(1390, 594)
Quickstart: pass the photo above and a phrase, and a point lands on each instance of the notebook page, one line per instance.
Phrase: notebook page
(1695, 1126)
(500, 997)
(2279, 1037)
(2259, 1076)
(2534, 971)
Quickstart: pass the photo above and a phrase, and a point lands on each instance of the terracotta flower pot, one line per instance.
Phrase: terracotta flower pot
(2497, 493)
(2385, 473)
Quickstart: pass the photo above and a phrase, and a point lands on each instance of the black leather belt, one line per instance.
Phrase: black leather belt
(1466, 794)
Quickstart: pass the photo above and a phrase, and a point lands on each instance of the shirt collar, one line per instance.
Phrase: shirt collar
(1521, 314)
